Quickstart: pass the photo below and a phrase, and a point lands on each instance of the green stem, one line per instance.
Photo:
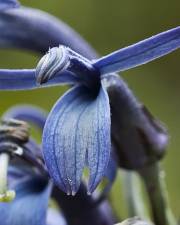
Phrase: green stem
(134, 221)
(133, 195)
(4, 161)
(153, 178)
(5, 195)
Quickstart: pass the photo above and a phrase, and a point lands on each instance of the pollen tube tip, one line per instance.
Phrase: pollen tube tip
(68, 193)
(55, 61)
(89, 193)
(73, 193)
(9, 196)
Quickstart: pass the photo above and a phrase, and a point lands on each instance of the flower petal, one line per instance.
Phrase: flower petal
(43, 31)
(30, 204)
(28, 113)
(18, 172)
(78, 125)
(140, 53)
(55, 218)
(111, 172)
(26, 79)
(8, 4)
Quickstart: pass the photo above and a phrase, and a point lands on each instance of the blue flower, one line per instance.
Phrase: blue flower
(37, 116)
(33, 188)
(78, 127)
(77, 132)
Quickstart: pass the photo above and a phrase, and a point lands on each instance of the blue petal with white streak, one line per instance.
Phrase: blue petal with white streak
(78, 127)
(30, 205)
(140, 53)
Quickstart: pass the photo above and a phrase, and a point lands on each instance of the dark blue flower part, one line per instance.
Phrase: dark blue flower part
(8, 4)
(78, 127)
(30, 205)
(18, 172)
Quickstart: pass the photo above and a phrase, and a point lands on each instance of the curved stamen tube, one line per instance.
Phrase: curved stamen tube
(61, 59)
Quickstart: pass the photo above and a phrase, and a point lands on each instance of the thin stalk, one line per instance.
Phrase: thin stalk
(4, 160)
(133, 195)
(5, 195)
(134, 221)
(153, 178)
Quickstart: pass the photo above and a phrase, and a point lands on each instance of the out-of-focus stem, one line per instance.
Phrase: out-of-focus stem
(133, 195)
(134, 221)
(153, 178)
(4, 160)
(5, 195)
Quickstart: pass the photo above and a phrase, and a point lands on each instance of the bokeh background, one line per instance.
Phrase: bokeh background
(110, 25)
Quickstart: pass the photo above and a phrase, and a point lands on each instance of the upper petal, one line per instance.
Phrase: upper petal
(140, 53)
(25, 79)
(8, 4)
(36, 30)
(78, 125)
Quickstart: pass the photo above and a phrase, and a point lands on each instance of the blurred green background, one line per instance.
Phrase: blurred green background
(110, 25)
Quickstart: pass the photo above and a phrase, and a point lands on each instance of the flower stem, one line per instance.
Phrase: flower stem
(5, 195)
(153, 178)
(134, 221)
(133, 194)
